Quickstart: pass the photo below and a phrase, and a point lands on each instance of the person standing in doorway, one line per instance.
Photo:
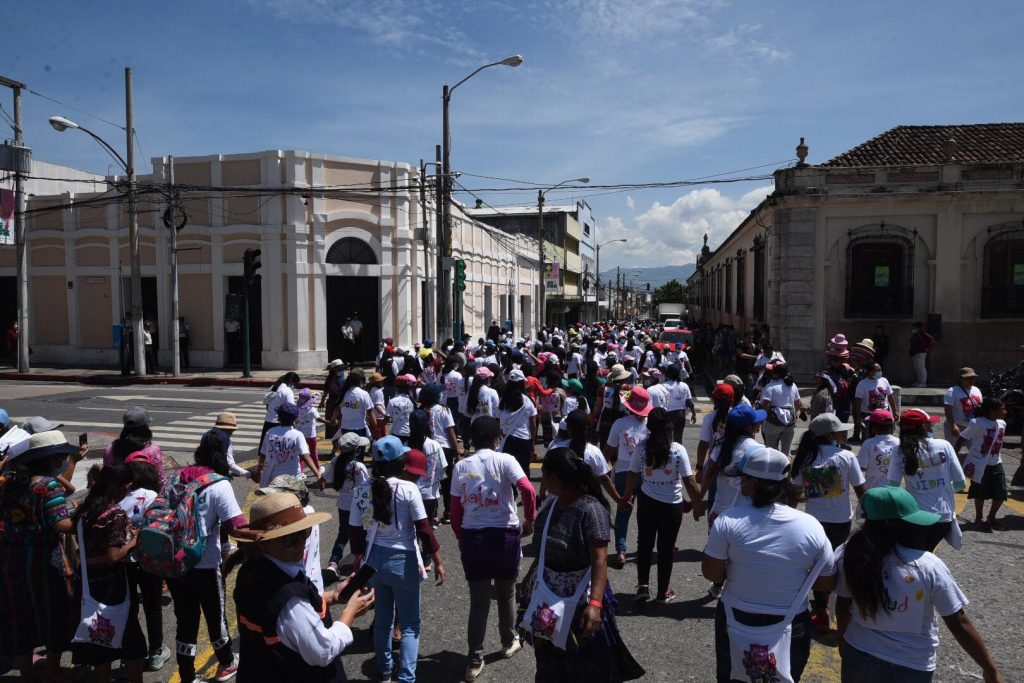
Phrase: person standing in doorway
(357, 336)
(151, 364)
(881, 340)
(920, 344)
(348, 340)
(184, 337)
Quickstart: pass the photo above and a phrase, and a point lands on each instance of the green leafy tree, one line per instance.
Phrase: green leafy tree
(672, 292)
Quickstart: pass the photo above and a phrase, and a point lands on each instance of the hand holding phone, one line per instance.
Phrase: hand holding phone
(356, 582)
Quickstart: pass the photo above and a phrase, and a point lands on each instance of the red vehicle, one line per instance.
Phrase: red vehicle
(677, 339)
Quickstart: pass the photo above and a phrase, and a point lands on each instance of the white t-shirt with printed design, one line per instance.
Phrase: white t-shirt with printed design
(430, 485)
(486, 403)
(664, 484)
(282, 451)
(706, 435)
(516, 423)
(873, 394)
(875, 458)
(986, 437)
(827, 481)
(677, 394)
(919, 588)
(441, 420)
(399, 409)
(407, 508)
(216, 504)
(354, 406)
(938, 476)
(729, 494)
(311, 554)
(963, 404)
(452, 384)
(306, 421)
(484, 483)
(626, 434)
(356, 474)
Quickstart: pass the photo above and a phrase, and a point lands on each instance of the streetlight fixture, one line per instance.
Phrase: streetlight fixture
(61, 124)
(540, 240)
(444, 229)
(597, 266)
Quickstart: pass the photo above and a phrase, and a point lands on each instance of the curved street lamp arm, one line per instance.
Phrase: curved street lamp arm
(485, 66)
(106, 145)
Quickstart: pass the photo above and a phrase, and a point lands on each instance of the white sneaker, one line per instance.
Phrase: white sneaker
(516, 646)
(474, 669)
(322, 470)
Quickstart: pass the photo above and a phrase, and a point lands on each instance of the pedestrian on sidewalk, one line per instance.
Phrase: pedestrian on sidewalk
(184, 339)
(572, 563)
(961, 404)
(921, 344)
(486, 522)
(889, 593)
(152, 366)
(662, 467)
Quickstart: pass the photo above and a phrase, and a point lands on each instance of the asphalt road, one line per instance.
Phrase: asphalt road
(674, 642)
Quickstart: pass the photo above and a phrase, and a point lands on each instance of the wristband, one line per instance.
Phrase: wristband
(596, 603)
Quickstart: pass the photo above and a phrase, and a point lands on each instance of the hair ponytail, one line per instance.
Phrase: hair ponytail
(473, 397)
(381, 494)
(807, 451)
(573, 472)
(659, 442)
(910, 442)
(864, 562)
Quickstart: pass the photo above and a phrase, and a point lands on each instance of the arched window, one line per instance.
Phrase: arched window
(1002, 294)
(351, 250)
(880, 277)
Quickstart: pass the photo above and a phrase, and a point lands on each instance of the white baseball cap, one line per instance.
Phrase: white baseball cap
(763, 463)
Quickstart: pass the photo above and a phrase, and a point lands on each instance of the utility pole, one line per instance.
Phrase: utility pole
(445, 199)
(618, 293)
(173, 220)
(138, 335)
(20, 245)
(540, 262)
(428, 304)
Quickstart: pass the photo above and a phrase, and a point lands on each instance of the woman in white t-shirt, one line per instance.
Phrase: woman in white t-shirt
(744, 552)
(401, 405)
(984, 462)
(280, 393)
(665, 468)
(357, 411)
(781, 398)
(386, 518)
(891, 593)
(677, 400)
(875, 455)
(518, 417)
(436, 464)
(482, 400)
(827, 472)
(375, 389)
(873, 393)
(346, 473)
(933, 474)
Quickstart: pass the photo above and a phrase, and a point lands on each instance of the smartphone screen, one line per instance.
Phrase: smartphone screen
(361, 578)
(83, 439)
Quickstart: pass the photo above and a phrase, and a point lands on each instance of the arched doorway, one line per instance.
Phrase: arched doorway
(351, 292)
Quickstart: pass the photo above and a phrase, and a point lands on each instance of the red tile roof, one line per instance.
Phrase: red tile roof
(914, 145)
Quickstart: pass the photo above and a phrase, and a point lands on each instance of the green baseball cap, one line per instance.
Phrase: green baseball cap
(892, 502)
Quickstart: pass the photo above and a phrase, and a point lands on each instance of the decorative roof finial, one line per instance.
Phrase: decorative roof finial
(801, 153)
(950, 148)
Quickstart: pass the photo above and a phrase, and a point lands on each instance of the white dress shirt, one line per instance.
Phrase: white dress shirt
(300, 629)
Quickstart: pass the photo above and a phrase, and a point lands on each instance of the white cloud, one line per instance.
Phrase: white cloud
(630, 203)
(742, 41)
(672, 234)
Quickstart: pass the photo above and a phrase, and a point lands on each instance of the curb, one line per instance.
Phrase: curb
(130, 380)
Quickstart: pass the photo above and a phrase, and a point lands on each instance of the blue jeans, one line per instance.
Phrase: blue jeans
(860, 667)
(621, 516)
(396, 585)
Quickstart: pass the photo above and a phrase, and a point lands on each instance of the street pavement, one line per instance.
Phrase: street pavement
(674, 642)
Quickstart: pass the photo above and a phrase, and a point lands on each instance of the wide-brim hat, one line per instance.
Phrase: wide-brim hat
(45, 444)
(637, 401)
(281, 514)
(336, 363)
(618, 372)
(965, 373)
(227, 421)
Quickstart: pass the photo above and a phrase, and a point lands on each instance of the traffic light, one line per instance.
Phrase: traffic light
(648, 286)
(460, 275)
(251, 261)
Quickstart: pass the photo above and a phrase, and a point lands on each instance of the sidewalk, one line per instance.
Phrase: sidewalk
(195, 377)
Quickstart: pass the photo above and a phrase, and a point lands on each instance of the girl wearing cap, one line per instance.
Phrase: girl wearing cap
(984, 464)
(306, 423)
(551, 405)
(374, 384)
(280, 392)
(482, 400)
(890, 593)
(712, 427)
(665, 468)
(486, 522)
(347, 472)
(400, 406)
(386, 517)
(744, 549)
(933, 474)
(625, 435)
(827, 472)
(575, 559)
(518, 417)
(781, 399)
(876, 453)
(285, 450)
(357, 411)
(33, 515)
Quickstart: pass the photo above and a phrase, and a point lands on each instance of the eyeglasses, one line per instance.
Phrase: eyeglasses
(298, 538)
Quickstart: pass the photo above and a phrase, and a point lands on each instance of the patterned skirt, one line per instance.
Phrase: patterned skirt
(35, 604)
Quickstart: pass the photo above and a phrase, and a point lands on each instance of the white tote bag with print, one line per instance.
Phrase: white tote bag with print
(760, 654)
(550, 615)
(100, 624)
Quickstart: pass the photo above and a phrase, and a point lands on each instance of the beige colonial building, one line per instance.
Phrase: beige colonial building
(339, 236)
(922, 223)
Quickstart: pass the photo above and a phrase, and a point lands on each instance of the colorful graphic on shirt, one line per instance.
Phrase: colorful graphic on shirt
(278, 448)
(822, 482)
(968, 405)
(760, 664)
(992, 442)
(876, 399)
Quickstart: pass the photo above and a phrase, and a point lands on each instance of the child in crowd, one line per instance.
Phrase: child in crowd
(306, 423)
(983, 464)
(877, 450)
(344, 473)
(824, 393)
(285, 449)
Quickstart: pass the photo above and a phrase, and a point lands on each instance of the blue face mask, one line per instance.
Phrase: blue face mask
(876, 375)
(59, 468)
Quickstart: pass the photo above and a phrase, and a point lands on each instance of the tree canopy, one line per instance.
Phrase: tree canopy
(672, 292)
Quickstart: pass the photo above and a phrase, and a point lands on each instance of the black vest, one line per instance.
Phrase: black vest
(261, 592)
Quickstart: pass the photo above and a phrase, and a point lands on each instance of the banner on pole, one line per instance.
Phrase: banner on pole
(552, 277)
(6, 217)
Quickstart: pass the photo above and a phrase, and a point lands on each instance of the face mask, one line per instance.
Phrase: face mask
(876, 375)
(59, 468)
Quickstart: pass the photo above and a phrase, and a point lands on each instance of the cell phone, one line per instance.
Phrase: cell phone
(358, 581)
(83, 439)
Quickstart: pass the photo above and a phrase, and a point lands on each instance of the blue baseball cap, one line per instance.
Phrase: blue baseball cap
(389, 449)
(744, 416)
(287, 412)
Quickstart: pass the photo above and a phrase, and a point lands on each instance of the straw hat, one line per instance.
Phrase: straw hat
(281, 514)
(227, 421)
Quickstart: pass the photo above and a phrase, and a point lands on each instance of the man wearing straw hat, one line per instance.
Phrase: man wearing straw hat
(285, 628)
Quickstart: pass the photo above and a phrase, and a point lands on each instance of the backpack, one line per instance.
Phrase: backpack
(172, 539)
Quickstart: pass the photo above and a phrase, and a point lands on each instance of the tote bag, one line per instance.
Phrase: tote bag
(548, 614)
(100, 624)
(760, 654)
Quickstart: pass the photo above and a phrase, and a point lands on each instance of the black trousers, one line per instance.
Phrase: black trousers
(200, 592)
(149, 589)
(657, 524)
(837, 533)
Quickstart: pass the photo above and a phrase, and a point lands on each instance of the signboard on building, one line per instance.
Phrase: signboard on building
(881, 276)
(6, 216)
(552, 278)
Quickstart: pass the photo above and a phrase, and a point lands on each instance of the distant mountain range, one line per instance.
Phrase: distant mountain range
(656, 276)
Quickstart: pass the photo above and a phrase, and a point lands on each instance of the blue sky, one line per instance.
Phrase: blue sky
(623, 91)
